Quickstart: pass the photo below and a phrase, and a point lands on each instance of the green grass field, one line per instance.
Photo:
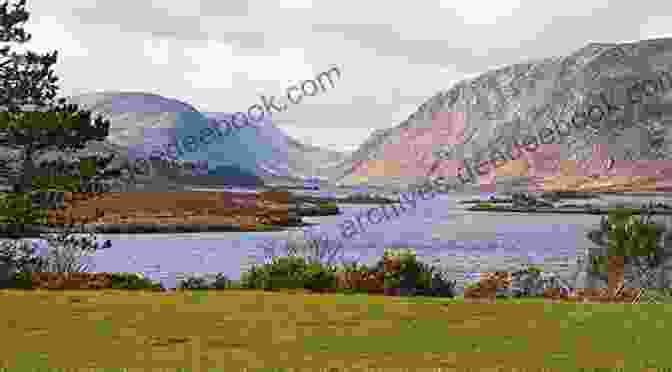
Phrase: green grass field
(237, 329)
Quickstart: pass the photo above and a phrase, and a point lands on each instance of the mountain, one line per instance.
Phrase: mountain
(278, 156)
(236, 176)
(621, 91)
(293, 160)
(141, 122)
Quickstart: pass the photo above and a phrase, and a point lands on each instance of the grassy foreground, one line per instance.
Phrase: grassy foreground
(232, 330)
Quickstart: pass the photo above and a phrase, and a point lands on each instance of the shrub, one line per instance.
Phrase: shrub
(16, 210)
(200, 282)
(404, 272)
(485, 205)
(435, 283)
(534, 269)
(254, 278)
(305, 267)
(290, 272)
(401, 268)
(314, 247)
(194, 283)
(57, 182)
(20, 256)
(598, 264)
(319, 278)
(64, 253)
(21, 280)
(286, 272)
(133, 281)
(328, 205)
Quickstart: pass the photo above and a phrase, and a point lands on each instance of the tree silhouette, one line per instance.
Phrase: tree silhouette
(27, 81)
(30, 120)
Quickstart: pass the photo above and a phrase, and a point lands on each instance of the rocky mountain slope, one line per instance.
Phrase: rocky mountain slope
(142, 120)
(612, 101)
(280, 157)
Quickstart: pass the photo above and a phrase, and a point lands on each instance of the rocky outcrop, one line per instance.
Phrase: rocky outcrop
(605, 100)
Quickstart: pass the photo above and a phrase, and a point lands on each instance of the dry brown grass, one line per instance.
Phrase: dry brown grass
(254, 329)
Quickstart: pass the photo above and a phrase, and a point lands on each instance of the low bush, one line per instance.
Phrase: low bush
(405, 275)
(398, 272)
(435, 283)
(200, 282)
(329, 205)
(292, 272)
(319, 278)
(20, 280)
(80, 280)
(133, 281)
(402, 271)
(534, 269)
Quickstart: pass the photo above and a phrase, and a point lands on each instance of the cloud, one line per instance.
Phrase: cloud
(296, 4)
(220, 55)
(481, 12)
(47, 32)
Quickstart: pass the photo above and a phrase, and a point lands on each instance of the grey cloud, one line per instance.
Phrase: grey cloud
(387, 72)
(536, 33)
(244, 40)
(159, 22)
(153, 21)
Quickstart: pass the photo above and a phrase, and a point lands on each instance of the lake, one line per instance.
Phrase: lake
(440, 231)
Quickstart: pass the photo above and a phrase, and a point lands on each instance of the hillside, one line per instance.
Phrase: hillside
(626, 147)
(141, 120)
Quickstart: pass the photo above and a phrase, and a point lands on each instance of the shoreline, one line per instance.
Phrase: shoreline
(30, 231)
(598, 211)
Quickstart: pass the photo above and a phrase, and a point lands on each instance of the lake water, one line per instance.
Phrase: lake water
(439, 230)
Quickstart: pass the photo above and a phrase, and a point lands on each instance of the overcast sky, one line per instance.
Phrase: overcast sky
(220, 55)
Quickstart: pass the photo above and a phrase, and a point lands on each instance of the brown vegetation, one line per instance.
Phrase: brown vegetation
(171, 207)
(369, 282)
(237, 330)
(486, 289)
(49, 280)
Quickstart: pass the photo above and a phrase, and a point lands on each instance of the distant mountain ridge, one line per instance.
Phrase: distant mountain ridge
(510, 102)
(137, 117)
(627, 149)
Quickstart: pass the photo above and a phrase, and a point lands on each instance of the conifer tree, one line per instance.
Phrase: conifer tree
(27, 82)
(31, 120)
